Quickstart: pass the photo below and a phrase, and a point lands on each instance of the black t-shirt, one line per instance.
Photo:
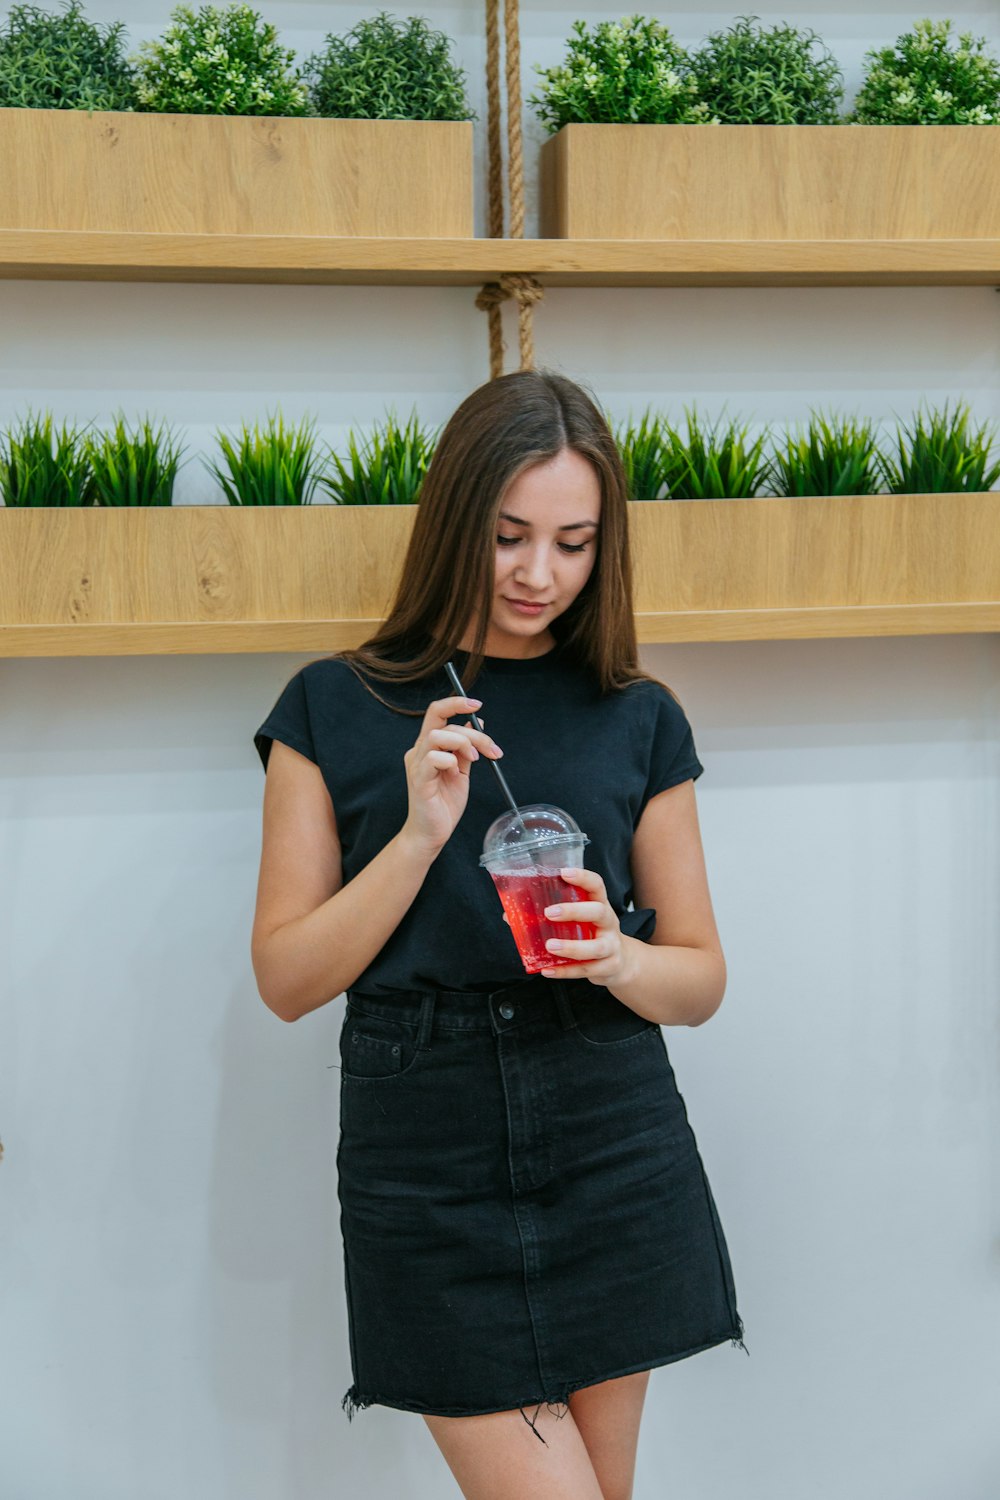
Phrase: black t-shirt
(599, 756)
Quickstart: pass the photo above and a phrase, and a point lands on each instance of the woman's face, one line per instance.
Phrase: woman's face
(546, 547)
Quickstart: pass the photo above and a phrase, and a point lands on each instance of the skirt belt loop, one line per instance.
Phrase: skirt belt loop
(563, 1002)
(426, 1022)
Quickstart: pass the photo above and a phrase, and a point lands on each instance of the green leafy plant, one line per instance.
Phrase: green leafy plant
(830, 456)
(941, 452)
(270, 465)
(622, 72)
(923, 80)
(386, 69)
(134, 466)
(719, 461)
(387, 469)
(219, 61)
(748, 75)
(63, 61)
(44, 465)
(652, 464)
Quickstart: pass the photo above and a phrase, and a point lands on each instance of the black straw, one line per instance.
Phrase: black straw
(457, 685)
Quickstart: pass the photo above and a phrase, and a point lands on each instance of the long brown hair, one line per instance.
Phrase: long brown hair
(502, 428)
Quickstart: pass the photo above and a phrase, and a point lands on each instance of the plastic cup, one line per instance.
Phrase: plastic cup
(524, 852)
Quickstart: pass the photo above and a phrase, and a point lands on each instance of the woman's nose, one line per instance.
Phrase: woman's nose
(535, 570)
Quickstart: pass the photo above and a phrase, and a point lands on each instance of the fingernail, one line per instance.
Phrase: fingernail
(497, 751)
(476, 702)
(553, 945)
(553, 911)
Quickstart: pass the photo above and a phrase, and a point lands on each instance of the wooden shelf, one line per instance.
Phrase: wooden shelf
(67, 255)
(216, 579)
(226, 638)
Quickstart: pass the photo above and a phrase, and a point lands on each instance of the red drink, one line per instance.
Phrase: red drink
(525, 896)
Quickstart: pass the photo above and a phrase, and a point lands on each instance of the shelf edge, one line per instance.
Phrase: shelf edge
(328, 636)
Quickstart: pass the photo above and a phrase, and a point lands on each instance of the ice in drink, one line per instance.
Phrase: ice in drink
(524, 852)
(525, 895)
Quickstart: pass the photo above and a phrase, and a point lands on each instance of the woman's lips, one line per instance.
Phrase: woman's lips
(524, 607)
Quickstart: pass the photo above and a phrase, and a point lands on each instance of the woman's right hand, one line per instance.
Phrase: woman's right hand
(437, 771)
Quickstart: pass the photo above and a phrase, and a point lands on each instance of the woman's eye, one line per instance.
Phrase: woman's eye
(512, 541)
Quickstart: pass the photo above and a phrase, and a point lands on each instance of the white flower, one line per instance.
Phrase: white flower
(942, 96)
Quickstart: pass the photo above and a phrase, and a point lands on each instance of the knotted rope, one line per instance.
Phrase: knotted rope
(524, 289)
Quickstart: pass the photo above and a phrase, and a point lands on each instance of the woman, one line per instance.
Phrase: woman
(527, 1226)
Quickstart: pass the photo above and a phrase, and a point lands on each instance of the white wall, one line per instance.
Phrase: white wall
(173, 1321)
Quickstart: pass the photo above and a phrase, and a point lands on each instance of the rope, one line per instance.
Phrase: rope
(524, 289)
(486, 301)
(515, 157)
(493, 119)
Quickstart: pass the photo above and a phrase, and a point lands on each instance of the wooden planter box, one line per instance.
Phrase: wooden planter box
(217, 578)
(214, 174)
(771, 182)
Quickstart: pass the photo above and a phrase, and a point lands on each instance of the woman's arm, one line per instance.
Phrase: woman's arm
(312, 934)
(679, 977)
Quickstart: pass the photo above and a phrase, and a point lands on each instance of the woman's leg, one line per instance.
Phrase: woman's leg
(607, 1417)
(498, 1457)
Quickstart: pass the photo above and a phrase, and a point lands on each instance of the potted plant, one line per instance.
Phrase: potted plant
(273, 570)
(44, 466)
(270, 465)
(391, 89)
(942, 453)
(91, 546)
(806, 540)
(387, 468)
(63, 61)
(830, 456)
(777, 163)
(923, 80)
(133, 465)
(709, 461)
(212, 129)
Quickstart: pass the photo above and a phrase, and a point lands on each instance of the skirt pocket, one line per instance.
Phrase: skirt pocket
(375, 1047)
(602, 1021)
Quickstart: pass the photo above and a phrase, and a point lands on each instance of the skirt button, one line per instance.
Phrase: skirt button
(507, 1010)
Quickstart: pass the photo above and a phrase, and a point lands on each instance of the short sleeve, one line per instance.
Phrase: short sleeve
(288, 722)
(673, 758)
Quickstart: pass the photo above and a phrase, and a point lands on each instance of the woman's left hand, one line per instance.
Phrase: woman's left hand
(604, 959)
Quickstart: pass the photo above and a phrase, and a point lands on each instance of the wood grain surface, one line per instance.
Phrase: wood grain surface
(64, 255)
(226, 579)
(771, 182)
(121, 173)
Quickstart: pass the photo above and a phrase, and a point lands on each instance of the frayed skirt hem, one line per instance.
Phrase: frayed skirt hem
(355, 1400)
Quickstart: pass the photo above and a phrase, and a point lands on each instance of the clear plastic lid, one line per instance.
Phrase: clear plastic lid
(522, 837)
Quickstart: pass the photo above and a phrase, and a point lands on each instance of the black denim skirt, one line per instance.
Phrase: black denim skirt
(523, 1205)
